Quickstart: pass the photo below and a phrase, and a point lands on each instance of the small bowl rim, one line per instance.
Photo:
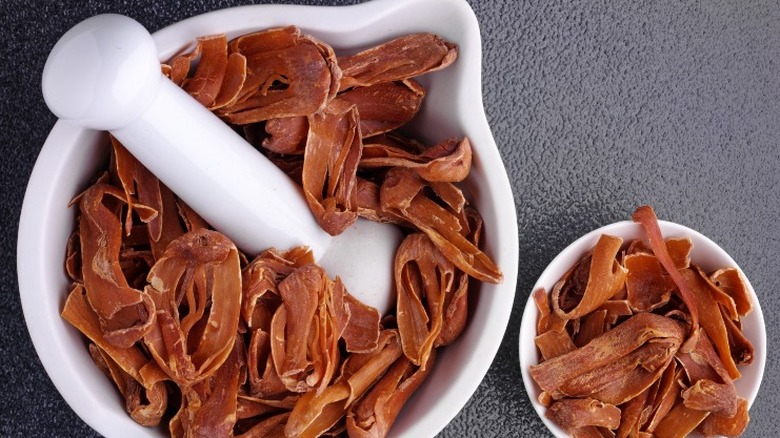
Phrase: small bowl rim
(565, 259)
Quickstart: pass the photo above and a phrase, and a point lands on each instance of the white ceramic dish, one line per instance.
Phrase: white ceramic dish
(705, 253)
(453, 107)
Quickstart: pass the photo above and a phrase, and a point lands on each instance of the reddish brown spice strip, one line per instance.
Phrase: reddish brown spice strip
(249, 406)
(630, 415)
(232, 83)
(668, 393)
(149, 199)
(706, 395)
(315, 413)
(125, 314)
(286, 135)
(723, 300)
(543, 306)
(200, 269)
(180, 66)
(603, 351)
(333, 149)
(723, 425)
(592, 432)
(145, 406)
(205, 85)
(73, 257)
(455, 311)
(132, 360)
(423, 278)
(680, 251)
(447, 161)
(646, 216)
(605, 277)
(401, 58)
(647, 284)
(301, 293)
(547, 320)
(730, 281)
(679, 422)
(626, 377)
(711, 318)
(571, 414)
(741, 348)
(403, 194)
(209, 406)
(616, 309)
(288, 74)
(260, 279)
(370, 205)
(374, 415)
(360, 323)
(175, 218)
(592, 327)
(385, 106)
(553, 344)
(271, 426)
(264, 381)
(189, 218)
(142, 190)
(701, 363)
(314, 315)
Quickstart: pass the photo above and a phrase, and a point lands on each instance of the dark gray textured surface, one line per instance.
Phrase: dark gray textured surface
(596, 108)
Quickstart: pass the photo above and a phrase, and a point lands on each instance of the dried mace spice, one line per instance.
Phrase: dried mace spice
(636, 340)
(203, 340)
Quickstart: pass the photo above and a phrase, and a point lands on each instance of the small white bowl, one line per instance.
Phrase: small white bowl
(705, 253)
(453, 107)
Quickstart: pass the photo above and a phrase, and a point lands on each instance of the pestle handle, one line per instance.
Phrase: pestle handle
(104, 74)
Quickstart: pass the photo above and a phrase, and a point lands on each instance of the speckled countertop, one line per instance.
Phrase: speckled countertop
(597, 107)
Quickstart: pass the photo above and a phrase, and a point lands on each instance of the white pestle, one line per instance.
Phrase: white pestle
(104, 74)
